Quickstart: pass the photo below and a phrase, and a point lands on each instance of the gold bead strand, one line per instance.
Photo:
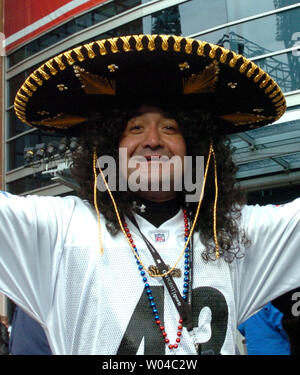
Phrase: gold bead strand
(114, 204)
(95, 201)
(215, 204)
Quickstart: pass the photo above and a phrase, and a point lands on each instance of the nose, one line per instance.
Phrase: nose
(152, 138)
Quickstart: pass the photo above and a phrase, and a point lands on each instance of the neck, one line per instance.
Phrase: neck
(156, 196)
(156, 212)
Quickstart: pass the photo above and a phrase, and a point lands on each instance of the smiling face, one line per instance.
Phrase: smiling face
(151, 139)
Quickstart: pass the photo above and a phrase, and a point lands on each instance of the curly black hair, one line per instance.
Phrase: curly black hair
(104, 131)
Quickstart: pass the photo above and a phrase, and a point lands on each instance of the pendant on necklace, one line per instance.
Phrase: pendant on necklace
(154, 270)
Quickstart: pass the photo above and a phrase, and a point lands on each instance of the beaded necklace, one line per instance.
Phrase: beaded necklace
(188, 234)
(148, 291)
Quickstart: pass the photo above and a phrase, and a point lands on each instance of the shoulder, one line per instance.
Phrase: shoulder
(271, 212)
(40, 207)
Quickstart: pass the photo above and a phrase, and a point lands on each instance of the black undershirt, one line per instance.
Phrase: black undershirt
(157, 213)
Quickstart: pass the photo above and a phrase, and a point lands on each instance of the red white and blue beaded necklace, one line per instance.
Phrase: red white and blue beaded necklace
(187, 291)
(182, 302)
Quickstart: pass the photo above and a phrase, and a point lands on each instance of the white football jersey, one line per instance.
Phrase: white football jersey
(88, 303)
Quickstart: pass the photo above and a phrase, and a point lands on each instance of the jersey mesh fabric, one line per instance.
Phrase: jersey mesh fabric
(89, 303)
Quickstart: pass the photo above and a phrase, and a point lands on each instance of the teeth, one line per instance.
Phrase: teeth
(153, 157)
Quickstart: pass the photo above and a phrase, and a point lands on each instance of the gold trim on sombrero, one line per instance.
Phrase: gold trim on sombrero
(151, 42)
(79, 54)
(59, 62)
(275, 92)
(235, 58)
(265, 82)
(251, 71)
(270, 87)
(189, 46)
(19, 107)
(30, 85)
(102, 48)
(113, 44)
(280, 111)
(277, 98)
(43, 73)
(91, 53)
(126, 44)
(244, 66)
(212, 52)
(69, 58)
(259, 76)
(36, 78)
(137, 43)
(245, 118)
(164, 44)
(23, 97)
(202, 82)
(177, 41)
(224, 55)
(200, 49)
(20, 102)
(61, 121)
(26, 90)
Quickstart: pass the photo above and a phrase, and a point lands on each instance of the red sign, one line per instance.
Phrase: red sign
(25, 19)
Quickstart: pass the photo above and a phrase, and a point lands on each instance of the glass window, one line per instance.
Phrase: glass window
(134, 27)
(237, 9)
(29, 183)
(197, 15)
(257, 168)
(284, 68)
(16, 57)
(220, 37)
(80, 23)
(13, 86)
(280, 32)
(32, 48)
(179, 20)
(15, 148)
(187, 18)
(122, 5)
(167, 21)
(84, 21)
(15, 126)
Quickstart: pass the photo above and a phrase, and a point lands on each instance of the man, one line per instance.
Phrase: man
(289, 305)
(27, 336)
(133, 271)
(4, 335)
(264, 333)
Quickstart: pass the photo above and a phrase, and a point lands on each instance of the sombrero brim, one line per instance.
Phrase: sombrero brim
(172, 70)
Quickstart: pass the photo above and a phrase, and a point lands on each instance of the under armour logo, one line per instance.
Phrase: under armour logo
(142, 207)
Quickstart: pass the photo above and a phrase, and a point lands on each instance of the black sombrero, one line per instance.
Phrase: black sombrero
(182, 72)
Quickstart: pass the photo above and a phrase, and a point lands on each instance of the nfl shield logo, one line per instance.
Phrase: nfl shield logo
(159, 237)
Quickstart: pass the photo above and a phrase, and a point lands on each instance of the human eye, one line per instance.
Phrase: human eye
(135, 127)
(170, 127)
